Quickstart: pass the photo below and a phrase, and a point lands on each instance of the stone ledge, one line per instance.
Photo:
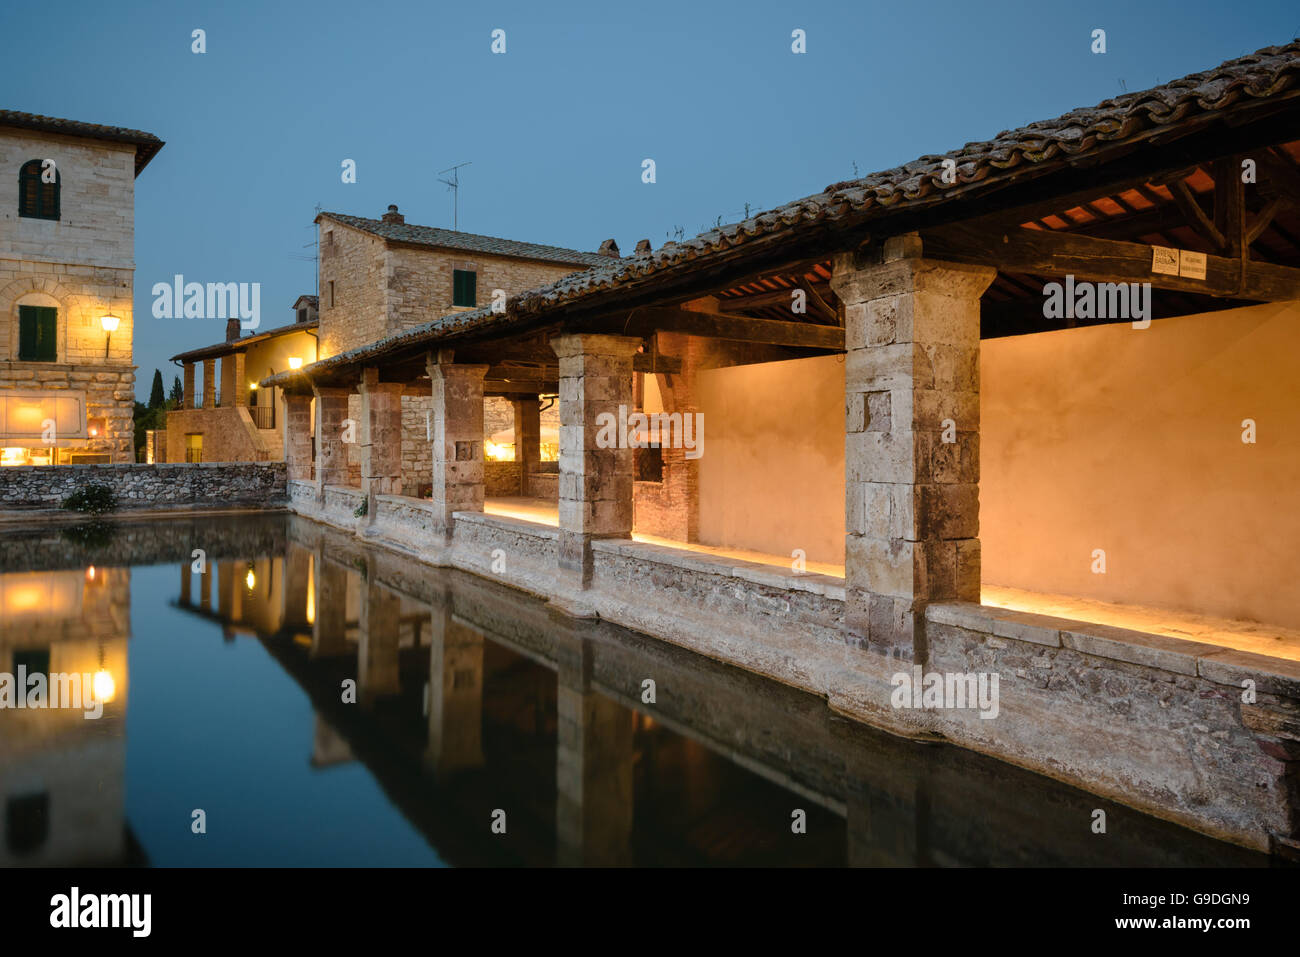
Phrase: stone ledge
(774, 576)
(508, 523)
(1279, 676)
(1137, 647)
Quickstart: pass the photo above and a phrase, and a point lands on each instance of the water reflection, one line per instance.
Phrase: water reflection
(466, 704)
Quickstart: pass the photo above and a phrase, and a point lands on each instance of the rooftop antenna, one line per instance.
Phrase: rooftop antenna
(454, 185)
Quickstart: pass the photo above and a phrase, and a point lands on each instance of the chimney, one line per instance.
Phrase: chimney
(642, 247)
(232, 330)
(393, 216)
(608, 248)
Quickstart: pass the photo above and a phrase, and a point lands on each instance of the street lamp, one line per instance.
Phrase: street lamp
(110, 325)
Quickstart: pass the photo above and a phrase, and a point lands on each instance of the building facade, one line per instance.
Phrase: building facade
(67, 221)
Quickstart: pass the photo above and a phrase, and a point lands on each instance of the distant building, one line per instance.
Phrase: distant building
(67, 221)
(232, 420)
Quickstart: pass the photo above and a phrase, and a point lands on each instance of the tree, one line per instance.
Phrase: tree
(156, 395)
(177, 394)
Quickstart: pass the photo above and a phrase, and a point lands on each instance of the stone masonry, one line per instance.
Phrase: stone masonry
(912, 496)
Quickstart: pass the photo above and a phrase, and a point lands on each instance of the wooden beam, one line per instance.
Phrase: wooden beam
(1230, 206)
(1196, 216)
(761, 300)
(1264, 218)
(719, 325)
(1108, 260)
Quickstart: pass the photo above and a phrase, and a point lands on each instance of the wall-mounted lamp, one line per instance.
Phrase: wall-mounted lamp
(110, 326)
(295, 362)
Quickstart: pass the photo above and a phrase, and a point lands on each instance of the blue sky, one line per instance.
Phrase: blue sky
(557, 127)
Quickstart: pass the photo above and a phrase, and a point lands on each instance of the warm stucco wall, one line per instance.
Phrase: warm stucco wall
(772, 473)
(1129, 440)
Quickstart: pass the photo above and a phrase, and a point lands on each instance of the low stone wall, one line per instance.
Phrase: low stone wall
(501, 478)
(1156, 723)
(137, 486)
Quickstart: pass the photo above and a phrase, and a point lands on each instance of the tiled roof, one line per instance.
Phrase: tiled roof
(146, 144)
(1089, 133)
(470, 242)
(242, 343)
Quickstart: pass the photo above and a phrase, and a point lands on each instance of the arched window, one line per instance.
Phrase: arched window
(37, 199)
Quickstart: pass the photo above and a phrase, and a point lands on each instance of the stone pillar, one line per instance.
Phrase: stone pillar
(671, 508)
(329, 632)
(188, 399)
(912, 329)
(593, 766)
(234, 386)
(297, 427)
(455, 691)
(595, 481)
(528, 438)
(457, 438)
(331, 451)
(377, 649)
(209, 383)
(381, 439)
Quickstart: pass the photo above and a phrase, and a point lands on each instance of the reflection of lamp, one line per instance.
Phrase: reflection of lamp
(103, 685)
(110, 326)
(295, 362)
(250, 579)
(90, 573)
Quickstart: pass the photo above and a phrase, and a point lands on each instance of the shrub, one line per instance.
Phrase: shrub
(361, 510)
(93, 498)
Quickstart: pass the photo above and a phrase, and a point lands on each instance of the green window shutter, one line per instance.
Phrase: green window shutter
(37, 333)
(464, 287)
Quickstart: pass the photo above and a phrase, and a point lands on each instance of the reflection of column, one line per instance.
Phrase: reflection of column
(888, 827)
(205, 589)
(593, 767)
(330, 631)
(185, 584)
(377, 652)
(297, 571)
(455, 692)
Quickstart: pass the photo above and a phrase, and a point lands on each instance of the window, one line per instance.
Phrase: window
(649, 464)
(36, 329)
(331, 293)
(193, 446)
(302, 315)
(464, 287)
(37, 199)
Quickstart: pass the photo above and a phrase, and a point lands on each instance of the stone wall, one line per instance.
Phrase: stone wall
(147, 486)
(501, 479)
(355, 314)
(417, 450)
(82, 265)
(229, 435)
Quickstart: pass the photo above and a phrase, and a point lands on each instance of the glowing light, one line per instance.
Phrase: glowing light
(498, 453)
(250, 580)
(295, 362)
(104, 686)
(90, 573)
(311, 589)
(109, 323)
(13, 456)
(252, 387)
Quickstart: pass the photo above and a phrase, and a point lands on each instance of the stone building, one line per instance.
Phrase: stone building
(1025, 410)
(379, 277)
(231, 419)
(67, 220)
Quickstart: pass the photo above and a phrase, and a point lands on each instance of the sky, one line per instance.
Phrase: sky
(556, 128)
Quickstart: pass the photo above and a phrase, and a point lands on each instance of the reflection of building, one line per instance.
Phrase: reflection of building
(236, 421)
(62, 776)
(67, 191)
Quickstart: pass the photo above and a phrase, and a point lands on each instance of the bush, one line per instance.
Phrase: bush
(361, 510)
(93, 498)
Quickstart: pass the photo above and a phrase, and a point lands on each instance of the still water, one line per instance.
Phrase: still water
(484, 729)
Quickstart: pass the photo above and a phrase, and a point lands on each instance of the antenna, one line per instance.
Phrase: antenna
(454, 185)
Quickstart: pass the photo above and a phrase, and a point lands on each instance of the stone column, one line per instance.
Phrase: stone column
(209, 383)
(331, 451)
(912, 329)
(381, 439)
(188, 399)
(457, 438)
(593, 766)
(377, 649)
(455, 691)
(296, 425)
(234, 386)
(528, 438)
(595, 465)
